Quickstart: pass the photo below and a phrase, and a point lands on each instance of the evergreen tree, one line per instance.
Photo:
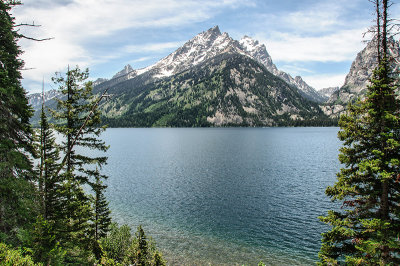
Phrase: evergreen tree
(72, 113)
(15, 130)
(50, 182)
(78, 121)
(15, 134)
(102, 219)
(141, 256)
(120, 247)
(366, 231)
(45, 247)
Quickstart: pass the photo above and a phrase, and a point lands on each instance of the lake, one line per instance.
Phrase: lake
(224, 195)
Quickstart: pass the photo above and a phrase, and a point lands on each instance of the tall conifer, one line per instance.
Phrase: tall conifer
(49, 157)
(15, 132)
(101, 215)
(78, 121)
(366, 230)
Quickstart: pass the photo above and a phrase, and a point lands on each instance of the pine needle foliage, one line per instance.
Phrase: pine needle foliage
(16, 151)
(366, 230)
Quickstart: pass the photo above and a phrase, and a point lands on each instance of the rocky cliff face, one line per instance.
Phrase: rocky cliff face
(327, 92)
(259, 52)
(357, 79)
(229, 89)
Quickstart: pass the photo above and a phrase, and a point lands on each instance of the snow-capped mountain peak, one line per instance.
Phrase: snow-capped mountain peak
(207, 45)
(200, 48)
(37, 99)
(249, 44)
(259, 52)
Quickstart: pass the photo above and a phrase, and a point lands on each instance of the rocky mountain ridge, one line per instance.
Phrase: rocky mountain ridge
(36, 99)
(327, 92)
(259, 52)
(357, 80)
(207, 45)
(229, 89)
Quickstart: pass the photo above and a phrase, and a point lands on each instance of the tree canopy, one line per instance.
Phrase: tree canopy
(366, 229)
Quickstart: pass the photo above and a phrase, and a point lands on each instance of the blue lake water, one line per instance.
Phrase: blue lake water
(224, 195)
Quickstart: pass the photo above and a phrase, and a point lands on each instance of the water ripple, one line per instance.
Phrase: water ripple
(224, 196)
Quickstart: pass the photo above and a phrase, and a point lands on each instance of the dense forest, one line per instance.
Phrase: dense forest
(53, 210)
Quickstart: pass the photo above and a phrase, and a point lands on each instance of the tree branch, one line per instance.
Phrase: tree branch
(27, 24)
(34, 39)
(104, 95)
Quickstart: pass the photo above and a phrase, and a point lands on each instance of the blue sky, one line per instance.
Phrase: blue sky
(316, 39)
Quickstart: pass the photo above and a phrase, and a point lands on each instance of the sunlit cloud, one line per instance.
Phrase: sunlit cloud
(73, 23)
(151, 47)
(325, 81)
(341, 46)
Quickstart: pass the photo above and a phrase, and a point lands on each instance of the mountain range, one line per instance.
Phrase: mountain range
(214, 80)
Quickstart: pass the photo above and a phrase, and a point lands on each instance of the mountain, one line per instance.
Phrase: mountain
(205, 46)
(259, 52)
(127, 69)
(212, 80)
(327, 92)
(230, 89)
(36, 99)
(357, 80)
(99, 81)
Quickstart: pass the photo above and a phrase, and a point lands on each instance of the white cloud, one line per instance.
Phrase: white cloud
(322, 32)
(326, 15)
(295, 70)
(142, 59)
(320, 17)
(324, 81)
(45, 58)
(335, 47)
(151, 47)
(72, 23)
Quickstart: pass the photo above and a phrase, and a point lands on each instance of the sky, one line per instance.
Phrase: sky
(315, 39)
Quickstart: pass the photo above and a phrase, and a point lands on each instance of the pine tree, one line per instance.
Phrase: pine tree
(142, 248)
(102, 219)
(78, 121)
(72, 113)
(49, 157)
(15, 130)
(366, 230)
(15, 133)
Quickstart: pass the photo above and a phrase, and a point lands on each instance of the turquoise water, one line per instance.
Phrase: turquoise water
(224, 196)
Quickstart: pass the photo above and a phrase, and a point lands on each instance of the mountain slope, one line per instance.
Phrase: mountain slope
(229, 89)
(357, 80)
(36, 99)
(259, 52)
(327, 92)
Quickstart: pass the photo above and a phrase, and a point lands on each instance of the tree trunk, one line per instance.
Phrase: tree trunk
(378, 30)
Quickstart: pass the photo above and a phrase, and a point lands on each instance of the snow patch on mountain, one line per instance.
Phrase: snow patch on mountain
(36, 99)
(209, 44)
